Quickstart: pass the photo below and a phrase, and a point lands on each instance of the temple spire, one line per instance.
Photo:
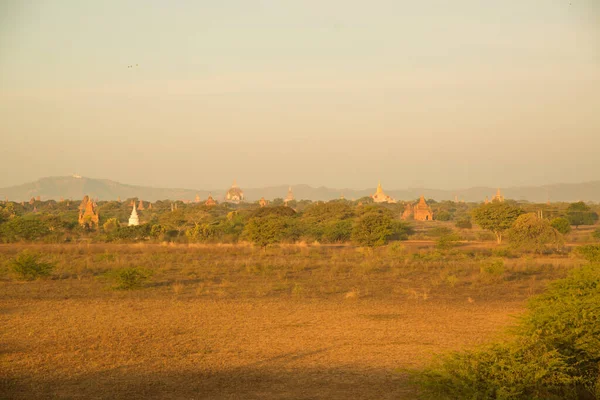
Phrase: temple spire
(134, 220)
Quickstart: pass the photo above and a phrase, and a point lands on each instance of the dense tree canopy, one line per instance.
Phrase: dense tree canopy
(336, 221)
(561, 224)
(496, 217)
(581, 214)
(372, 229)
(534, 234)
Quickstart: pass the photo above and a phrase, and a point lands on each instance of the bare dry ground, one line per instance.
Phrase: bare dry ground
(193, 333)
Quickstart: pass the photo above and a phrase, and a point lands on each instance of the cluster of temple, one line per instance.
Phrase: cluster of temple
(235, 195)
(419, 211)
(498, 198)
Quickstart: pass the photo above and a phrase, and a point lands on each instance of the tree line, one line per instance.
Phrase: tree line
(339, 221)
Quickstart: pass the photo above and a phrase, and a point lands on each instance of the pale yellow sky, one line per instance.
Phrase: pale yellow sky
(447, 94)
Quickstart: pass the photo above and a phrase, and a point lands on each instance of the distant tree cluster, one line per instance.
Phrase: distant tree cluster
(340, 221)
(325, 222)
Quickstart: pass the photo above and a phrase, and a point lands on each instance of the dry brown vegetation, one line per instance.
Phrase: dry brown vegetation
(235, 322)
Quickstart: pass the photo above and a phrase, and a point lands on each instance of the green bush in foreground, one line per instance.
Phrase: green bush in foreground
(555, 353)
(130, 278)
(27, 266)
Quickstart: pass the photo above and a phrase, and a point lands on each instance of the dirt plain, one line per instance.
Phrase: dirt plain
(296, 330)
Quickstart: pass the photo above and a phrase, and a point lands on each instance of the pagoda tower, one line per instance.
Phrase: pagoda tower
(422, 211)
(234, 194)
(134, 220)
(290, 196)
(498, 198)
(88, 213)
(210, 201)
(380, 197)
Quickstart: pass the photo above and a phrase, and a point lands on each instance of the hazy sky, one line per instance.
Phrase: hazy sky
(441, 94)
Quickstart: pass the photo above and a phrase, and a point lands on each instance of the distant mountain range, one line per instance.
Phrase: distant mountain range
(75, 187)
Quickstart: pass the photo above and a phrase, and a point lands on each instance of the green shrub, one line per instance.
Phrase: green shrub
(130, 278)
(567, 318)
(590, 252)
(530, 233)
(561, 224)
(446, 242)
(554, 353)
(492, 269)
(27, 266)
(521, 370)
(396, 248)
(373, 229)
(443, 216)
(452, 280)
(596, 233)
(464, 224)
(503, 252)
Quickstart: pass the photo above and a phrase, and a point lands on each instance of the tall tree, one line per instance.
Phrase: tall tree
(263, 231)
(496, 217)
(531, 233)
(581, 214)
(372, 229)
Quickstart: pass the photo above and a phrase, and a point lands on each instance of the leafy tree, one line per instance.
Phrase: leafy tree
(496, 217)
(328, 222)
(561, 224)
(581, 214)
(365, 200)
(534, 234)
(267, 230)
(203, 233)
(174, 220)
(23, 228)
(337, 231)
(401, 230)
(281, 211)
(7, 212)
(443, 216)
(333, 210)
(110, 225)
(372, 229)
(156, 230)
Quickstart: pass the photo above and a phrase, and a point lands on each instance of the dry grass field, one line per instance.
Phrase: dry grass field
(232, 322)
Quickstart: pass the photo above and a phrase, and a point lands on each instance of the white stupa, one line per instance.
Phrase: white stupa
(134, 220)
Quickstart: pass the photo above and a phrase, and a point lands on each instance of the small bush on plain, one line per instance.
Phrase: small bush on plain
(130, 278)
(492, 269)
(28, 266)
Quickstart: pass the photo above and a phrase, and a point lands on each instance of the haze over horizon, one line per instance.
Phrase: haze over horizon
(442, 95)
